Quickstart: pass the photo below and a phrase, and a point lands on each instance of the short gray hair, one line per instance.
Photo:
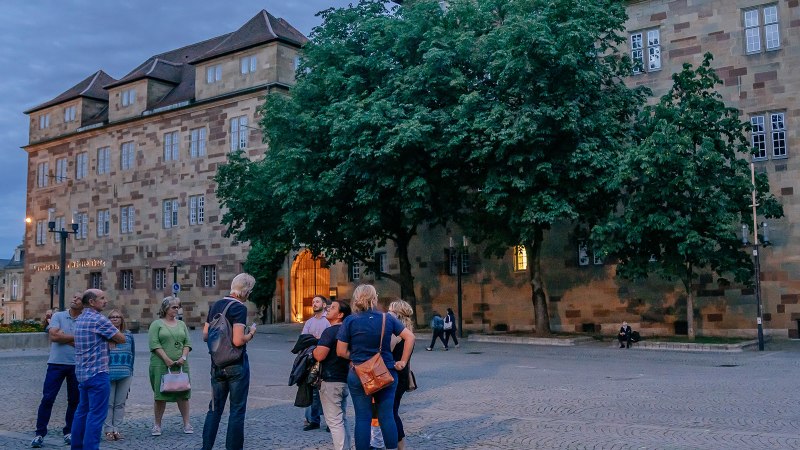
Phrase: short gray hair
(242, 285)
(162, 312)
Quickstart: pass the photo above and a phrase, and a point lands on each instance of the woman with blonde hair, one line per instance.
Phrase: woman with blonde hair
(169, 349)
(359, 339)
(120, 372)
(403, 311)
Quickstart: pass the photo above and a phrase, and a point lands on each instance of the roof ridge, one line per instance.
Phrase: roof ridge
(269, 22)
(152, 67)
(190, 45)
(96, 74)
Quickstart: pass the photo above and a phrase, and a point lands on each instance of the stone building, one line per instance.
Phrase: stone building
(11, 283)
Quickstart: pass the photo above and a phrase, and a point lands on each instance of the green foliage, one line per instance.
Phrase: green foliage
(22, 326)
(686, 187)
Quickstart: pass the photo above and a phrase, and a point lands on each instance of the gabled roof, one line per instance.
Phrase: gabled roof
(262, 28)
(91, 87)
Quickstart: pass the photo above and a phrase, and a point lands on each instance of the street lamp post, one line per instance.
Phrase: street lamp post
(459, 250)
(757, 270)
(62, 264)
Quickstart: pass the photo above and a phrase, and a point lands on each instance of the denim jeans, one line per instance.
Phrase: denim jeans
(315, 408)
(362, 404)
(333, 396)
(116, 403)
(91, 413)
(233, 381)
(54, 378)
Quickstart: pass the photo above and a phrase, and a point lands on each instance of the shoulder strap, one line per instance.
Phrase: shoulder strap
(225, 311)
(383, 328)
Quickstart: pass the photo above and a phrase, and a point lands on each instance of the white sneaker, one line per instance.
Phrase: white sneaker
(156, 431)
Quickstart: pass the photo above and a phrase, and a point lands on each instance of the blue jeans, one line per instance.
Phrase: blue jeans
(56, 374)
(91, 413)
(232, 380)
(362, 404)
(315, 408)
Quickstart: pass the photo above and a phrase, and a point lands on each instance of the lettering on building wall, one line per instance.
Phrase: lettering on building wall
(81, 263)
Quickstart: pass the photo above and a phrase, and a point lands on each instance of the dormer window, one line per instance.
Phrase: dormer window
(69, 114)
(213, 73)
(248, 64)
(128, 97)
(44, 121)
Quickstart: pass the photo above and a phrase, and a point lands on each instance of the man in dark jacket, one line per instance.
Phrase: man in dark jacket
(624, 335)
(437, 325)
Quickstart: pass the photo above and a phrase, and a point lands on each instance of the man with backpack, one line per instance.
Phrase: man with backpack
(437, 325)
(227, 336)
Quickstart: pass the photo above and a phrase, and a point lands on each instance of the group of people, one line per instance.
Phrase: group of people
(444, 329)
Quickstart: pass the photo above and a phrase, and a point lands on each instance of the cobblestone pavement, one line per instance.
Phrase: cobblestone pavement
(481, 396)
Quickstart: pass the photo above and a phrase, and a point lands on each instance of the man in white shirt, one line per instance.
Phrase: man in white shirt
(315, 325)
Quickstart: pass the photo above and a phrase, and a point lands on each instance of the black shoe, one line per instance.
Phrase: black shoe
(311, 426)
(621, 346)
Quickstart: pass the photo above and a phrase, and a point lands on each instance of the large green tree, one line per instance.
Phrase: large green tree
(686, 188)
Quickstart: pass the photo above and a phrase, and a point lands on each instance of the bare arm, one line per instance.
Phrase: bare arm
(240, 337)
(321, 352)
(342, 351)
(205, 332)
(59, 337)
(409, 339)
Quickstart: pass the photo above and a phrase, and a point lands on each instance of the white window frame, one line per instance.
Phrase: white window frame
(14, 287)
(44, 121)
(768, 135)
(60, 225)
(213, 73)
(42, 174)
(103, 160)
(355, 271)
(103, 222)
(128, 97)
(61, 170)
(248, 64)
(159, 279)
(583, 254)
(127, 155)
(126, 280)
(652, 38)
(81, 165)
(210, 276)
(170, 211)
(41, 232)
(520, 258)
(127, 219)
(82, 219)
(197, 209)
(172, 141)
(761, 29)
(95, 280)
(239, 133)
(69, 114)
(197, 142)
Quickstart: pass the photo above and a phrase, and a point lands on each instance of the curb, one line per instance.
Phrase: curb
(691, 347)
(561, 342)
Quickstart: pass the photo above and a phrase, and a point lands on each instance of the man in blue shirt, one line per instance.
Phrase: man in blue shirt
(92, 333)
(60, 367)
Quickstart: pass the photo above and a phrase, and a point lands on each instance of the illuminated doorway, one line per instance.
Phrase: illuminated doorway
(310, 277)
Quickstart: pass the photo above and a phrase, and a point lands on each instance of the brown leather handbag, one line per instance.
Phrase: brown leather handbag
(373, 373)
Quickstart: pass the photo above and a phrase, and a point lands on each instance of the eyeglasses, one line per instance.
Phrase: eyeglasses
(115, 317)
(175, 307)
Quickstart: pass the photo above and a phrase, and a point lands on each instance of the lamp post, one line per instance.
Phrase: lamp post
(757, 270)
(459, 250)
(62, 264)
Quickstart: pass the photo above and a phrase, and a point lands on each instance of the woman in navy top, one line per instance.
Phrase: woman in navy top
(359, 340)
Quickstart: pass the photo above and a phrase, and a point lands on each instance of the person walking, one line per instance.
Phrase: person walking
(169, 349)
(60, 368)
(359, 340)
(333, 391)
(450, 328)
(93, 331)
(437, 326)
(403, 312)
(233, 379)
(315, 325)
(120, 371)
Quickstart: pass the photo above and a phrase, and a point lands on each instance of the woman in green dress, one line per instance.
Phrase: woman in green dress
(169, 347)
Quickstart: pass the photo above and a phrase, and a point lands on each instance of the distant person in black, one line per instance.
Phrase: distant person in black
(449, 328)
(333, 391)
(624, 335)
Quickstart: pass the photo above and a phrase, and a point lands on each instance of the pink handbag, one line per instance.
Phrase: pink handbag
(175, 382)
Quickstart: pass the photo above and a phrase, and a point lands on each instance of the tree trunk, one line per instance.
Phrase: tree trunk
(406, 278)
(538, 295)
(687, 283)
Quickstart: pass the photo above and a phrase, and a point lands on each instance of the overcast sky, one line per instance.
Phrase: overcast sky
(48, 46)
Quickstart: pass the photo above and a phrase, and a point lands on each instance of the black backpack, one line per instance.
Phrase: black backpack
(220, 340)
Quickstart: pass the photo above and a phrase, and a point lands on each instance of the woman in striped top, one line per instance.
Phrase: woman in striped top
(120, 371)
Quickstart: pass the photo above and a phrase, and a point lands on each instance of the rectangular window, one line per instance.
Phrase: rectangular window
(44, 121)
(583, 254)
(213, 73)
(127, 218)
(209, 276)
(248, 64)
(597, 258)
(171, 213)
(60, 225)
(239, 133)
(103, 160)
(171, 143)
(650, 47)
(520, 258)
(355, 271)
(761, 23)
(381, 262)
(127, 155)
(197, 145)
(103, 222)
(81, 165)
(41, 232)
(126, 280)
(82, 219)
(197, 209)
(69, 114)
(61, 170)
(774, 145)
(159, 279)
(42, 174)
(454, 261)
(95, 280)
(128, 97)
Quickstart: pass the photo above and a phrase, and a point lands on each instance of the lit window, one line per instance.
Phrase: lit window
(171, 213)
(103, 222)
(103, 160)
(650, 47)
(197, 209)
(69, 114)
(238, 133)
(127, 219)
(520, 258)
(209, 276)
(760, 22)
(127, 155)
(197, 145)
(248, 64)
(774, 126)
(213, 73)
(171, 141)
(81, 165)
(128, 97)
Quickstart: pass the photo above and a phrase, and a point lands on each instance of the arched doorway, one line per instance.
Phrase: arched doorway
(310, 277)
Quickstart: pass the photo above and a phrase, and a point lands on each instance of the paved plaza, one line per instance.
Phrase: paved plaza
(481, 396)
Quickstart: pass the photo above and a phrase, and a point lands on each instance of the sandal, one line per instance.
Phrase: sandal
(110, 436)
